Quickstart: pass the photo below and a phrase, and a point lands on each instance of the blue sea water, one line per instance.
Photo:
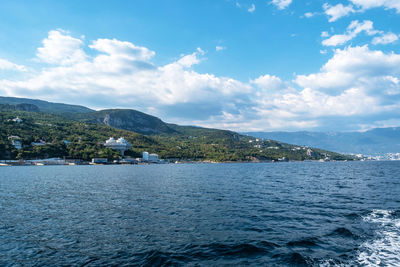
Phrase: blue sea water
(272, 214)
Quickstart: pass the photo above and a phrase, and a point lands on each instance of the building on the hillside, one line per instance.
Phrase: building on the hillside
(311, 153)
(121, 144)
(40, 143)
(129, 161)
(49, 161)
(99, 160)
(17, 120)
(15, 141)
(153, 158)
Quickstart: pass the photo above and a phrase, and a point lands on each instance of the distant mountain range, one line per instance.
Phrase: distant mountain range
(374, 142)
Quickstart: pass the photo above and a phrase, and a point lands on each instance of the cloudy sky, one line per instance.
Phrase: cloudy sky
(242, 65)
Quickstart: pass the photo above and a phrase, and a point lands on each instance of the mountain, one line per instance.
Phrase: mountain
(44, 106)
(21, 107)
(374, 142)
(126, 119)
(74, 134)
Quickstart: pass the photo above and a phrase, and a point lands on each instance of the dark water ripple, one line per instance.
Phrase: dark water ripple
(289, 214)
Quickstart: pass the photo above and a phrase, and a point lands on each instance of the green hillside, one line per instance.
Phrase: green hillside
(84, 141)
(126, 119)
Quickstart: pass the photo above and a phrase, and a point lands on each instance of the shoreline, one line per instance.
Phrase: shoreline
(6, 163)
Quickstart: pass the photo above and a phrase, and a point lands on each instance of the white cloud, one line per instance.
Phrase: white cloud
(60, 48)
(357, 84)
(353, 30)
(338, 11)
(385, 39)
(268, 82)
(281, 4)
(219, 48)
(353, 67)
(324, 34)
(388, 4)
(122, 49)
(7, 65)
(252, 8)
(309, 14)
(188, 61)
(122, 73)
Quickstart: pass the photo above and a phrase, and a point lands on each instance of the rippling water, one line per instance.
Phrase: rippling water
(286, 214)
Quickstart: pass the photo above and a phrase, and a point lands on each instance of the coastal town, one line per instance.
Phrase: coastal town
(26, 141)
(121, 145)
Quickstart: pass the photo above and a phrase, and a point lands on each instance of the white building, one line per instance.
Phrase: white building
(17, 120)
(153, 158)
(40, 143)
(150, 157)
(99, 160)
(121, 144)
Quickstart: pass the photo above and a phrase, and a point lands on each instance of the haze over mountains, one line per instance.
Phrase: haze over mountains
(374, 142)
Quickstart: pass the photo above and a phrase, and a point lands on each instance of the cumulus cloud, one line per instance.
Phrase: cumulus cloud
(281, 4)
(61, 48)
(353, 30)
(353, 67)
(337, 11)
(386, 38)
(388, 4)
(354, 86)
(268, 82)
(7, 65)
(357, 84)
(219, 48)
(122, 49)
(122, 73)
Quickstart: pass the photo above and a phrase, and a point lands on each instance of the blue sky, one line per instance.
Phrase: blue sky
(240, 65)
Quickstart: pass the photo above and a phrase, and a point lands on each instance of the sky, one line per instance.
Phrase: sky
(242, 65)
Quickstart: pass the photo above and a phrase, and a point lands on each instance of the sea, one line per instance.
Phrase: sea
(244, 214)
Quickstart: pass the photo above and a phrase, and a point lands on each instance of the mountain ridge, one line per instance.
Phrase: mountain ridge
(45, 106)
(80, 135)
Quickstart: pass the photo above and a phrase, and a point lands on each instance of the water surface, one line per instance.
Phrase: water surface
(285, 214)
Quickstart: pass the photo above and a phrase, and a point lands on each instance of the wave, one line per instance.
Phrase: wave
(306, 242)
(343, 232)
(295, 259)
(194, 253)
(384, 249)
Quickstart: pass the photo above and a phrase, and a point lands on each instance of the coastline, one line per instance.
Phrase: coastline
(11, 163)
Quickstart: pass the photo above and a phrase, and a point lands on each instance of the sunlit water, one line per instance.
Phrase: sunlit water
(285, 214)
